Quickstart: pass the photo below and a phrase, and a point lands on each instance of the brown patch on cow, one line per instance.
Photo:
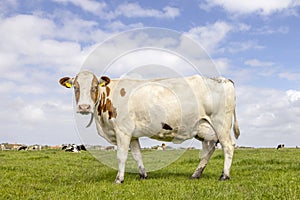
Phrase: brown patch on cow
(122, 92)
(76, 87)
(105, 105)
(101, 104)
(107, 90)
(112, 111)
(94, 89)
(166, 126)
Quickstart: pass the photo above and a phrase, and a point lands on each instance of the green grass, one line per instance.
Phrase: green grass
(255, 174)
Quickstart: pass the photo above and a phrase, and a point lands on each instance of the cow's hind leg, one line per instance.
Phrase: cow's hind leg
(137, 155)
(228, 145)
(228, 149)
(222, 127)
(208, 148)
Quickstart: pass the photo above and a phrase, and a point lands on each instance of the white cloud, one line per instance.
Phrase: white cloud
(210, 36)
(255, 6)
(128, 10)
(32, 114)
(268, 116)
(235, 47)
(120, 26)
(258, 63)
(30, 41)
(7, 6)
(293, 95)
(135, 10)
(6, 87)
(242, 27)
(131, 46)
(86, 5)
(262, 68)
(266, 30)
(222, 64)
(33, 55)
(289, 76)
(171, 12)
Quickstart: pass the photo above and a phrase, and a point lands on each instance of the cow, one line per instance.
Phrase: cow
(72, 148)
(22, 148)
(162, 109)
(280, 146)
(64, 147)
(81, 147)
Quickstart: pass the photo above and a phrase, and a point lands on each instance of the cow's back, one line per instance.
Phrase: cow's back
(166, 108)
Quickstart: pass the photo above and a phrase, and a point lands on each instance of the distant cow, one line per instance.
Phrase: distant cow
(205, 112)
(74, 148)
(280, 146)
(64, 147)
(22, 148)
(81, 147)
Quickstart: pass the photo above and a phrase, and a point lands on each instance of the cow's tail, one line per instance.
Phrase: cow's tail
(236, 129)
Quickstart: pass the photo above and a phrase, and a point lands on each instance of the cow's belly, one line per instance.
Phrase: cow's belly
(173, 136)
(166, 132)
(167, 136)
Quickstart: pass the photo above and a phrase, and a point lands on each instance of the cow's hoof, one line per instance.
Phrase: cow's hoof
(143, 176)
(195, 177)
(117, 181)
(224, 177)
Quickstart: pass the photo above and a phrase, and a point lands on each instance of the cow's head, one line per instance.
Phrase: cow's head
(87, 90)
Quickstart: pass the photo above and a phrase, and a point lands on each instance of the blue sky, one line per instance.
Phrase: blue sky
(255, 43)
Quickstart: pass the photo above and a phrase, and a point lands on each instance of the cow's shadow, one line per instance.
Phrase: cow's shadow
(156, 175)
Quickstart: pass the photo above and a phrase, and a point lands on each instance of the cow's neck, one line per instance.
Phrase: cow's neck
(105, 105)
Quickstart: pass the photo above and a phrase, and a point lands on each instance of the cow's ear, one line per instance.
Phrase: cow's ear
(104, 81)
(66, 82)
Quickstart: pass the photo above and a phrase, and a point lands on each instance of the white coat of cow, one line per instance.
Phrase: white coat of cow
(171, 109)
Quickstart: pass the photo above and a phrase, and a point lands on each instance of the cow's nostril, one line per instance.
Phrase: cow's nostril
(84, 107)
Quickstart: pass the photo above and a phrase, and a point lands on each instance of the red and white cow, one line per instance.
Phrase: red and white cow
(171, 109)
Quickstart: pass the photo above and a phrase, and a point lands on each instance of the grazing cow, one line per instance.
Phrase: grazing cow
(126, 109)
(22, 148)
(280, 146)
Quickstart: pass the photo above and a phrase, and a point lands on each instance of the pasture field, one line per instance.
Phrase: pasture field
(54, 174)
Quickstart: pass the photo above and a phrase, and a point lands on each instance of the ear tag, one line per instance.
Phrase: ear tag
(68, 85)
(102, 84)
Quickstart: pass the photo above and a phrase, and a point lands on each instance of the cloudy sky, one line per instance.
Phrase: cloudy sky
(255, 43)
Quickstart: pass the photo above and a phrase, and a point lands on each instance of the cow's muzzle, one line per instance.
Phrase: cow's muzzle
(84, 109)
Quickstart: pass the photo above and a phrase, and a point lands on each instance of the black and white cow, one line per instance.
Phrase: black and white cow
(280, 146)
(22, 148)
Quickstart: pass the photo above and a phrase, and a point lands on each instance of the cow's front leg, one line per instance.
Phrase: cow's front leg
(137, 155)
(123, 141)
